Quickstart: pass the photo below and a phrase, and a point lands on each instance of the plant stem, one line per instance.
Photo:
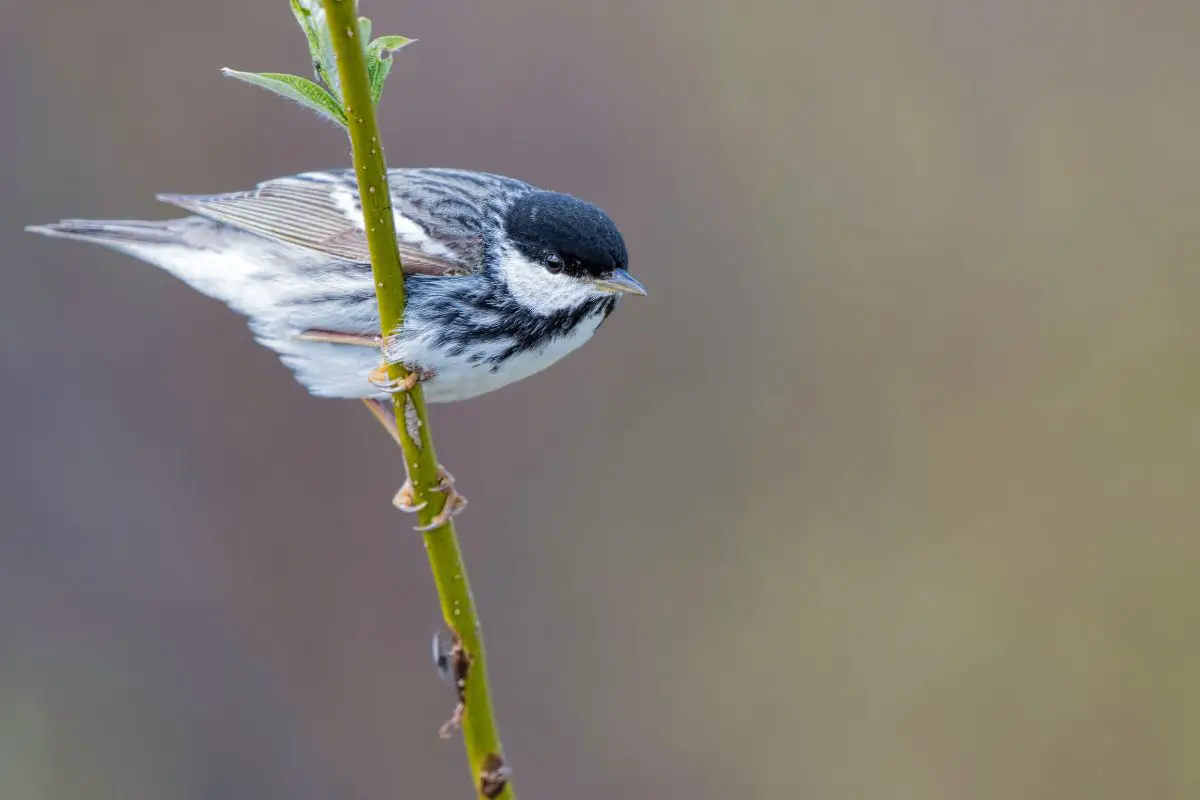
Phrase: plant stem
(480, 734)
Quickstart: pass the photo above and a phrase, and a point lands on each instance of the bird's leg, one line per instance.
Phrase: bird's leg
(404, 500)
(337, 337)
(382, 410)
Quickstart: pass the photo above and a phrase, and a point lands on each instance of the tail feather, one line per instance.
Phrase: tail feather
(219, 262)
(112, 231)
(283, 289)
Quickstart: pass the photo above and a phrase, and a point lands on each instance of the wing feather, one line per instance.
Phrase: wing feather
(322, 212)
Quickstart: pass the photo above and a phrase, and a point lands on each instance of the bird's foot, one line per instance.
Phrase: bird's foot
(455, 502)
(405, 501)
(380, 379)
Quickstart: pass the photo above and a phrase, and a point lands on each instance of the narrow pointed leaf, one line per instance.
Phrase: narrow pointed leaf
(297, 89)
(304, 18)
(311, 18)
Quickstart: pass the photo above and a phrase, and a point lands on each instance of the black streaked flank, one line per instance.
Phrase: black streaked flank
(461, 313)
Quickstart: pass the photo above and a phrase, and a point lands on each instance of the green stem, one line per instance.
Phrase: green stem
(445, 557)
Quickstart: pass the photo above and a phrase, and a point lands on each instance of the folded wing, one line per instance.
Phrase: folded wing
(322, 212)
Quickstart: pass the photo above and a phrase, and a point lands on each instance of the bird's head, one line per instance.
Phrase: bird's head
(563, 253)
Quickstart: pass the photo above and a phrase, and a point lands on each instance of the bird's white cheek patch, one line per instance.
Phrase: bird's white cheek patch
(541, 291)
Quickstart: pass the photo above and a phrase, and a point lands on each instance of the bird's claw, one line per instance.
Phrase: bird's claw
(455, 502)
(380, 379)
(445, 480)
(405, 501)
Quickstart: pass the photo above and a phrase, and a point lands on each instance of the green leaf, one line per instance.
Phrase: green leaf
(389, 43)
(379, 61)
(311, 18)
(304, 19)
(364, 30)
(297, 89)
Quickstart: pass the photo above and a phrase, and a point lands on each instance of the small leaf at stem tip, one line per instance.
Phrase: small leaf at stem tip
(379, 61)
(297, 89)
(389, 43)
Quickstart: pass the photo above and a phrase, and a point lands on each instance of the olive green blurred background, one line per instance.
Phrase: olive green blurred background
(887, 490)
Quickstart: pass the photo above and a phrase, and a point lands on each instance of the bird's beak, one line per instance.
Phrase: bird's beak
(620, 282)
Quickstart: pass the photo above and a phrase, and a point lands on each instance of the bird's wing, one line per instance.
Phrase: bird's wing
(321, 211)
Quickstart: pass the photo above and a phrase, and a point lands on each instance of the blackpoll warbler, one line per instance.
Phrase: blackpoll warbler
(503, 279)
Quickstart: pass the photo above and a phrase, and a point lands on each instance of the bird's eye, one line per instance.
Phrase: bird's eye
(554, 262)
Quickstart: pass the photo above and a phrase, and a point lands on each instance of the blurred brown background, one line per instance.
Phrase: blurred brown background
(888, 490)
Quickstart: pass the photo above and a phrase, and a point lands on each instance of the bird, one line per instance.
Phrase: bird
(502, 278)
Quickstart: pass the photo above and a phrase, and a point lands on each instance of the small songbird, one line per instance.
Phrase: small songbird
(502, 278)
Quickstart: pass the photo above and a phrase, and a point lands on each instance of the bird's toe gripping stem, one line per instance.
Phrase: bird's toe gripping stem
(455, 502)
(380, 379)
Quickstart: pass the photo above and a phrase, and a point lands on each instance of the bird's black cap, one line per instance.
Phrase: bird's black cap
(541, 223)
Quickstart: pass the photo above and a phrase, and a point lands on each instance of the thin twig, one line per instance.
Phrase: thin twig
(445, 557)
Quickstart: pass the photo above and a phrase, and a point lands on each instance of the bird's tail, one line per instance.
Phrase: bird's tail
(284, 290)
(220, 262)
(112, 232)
